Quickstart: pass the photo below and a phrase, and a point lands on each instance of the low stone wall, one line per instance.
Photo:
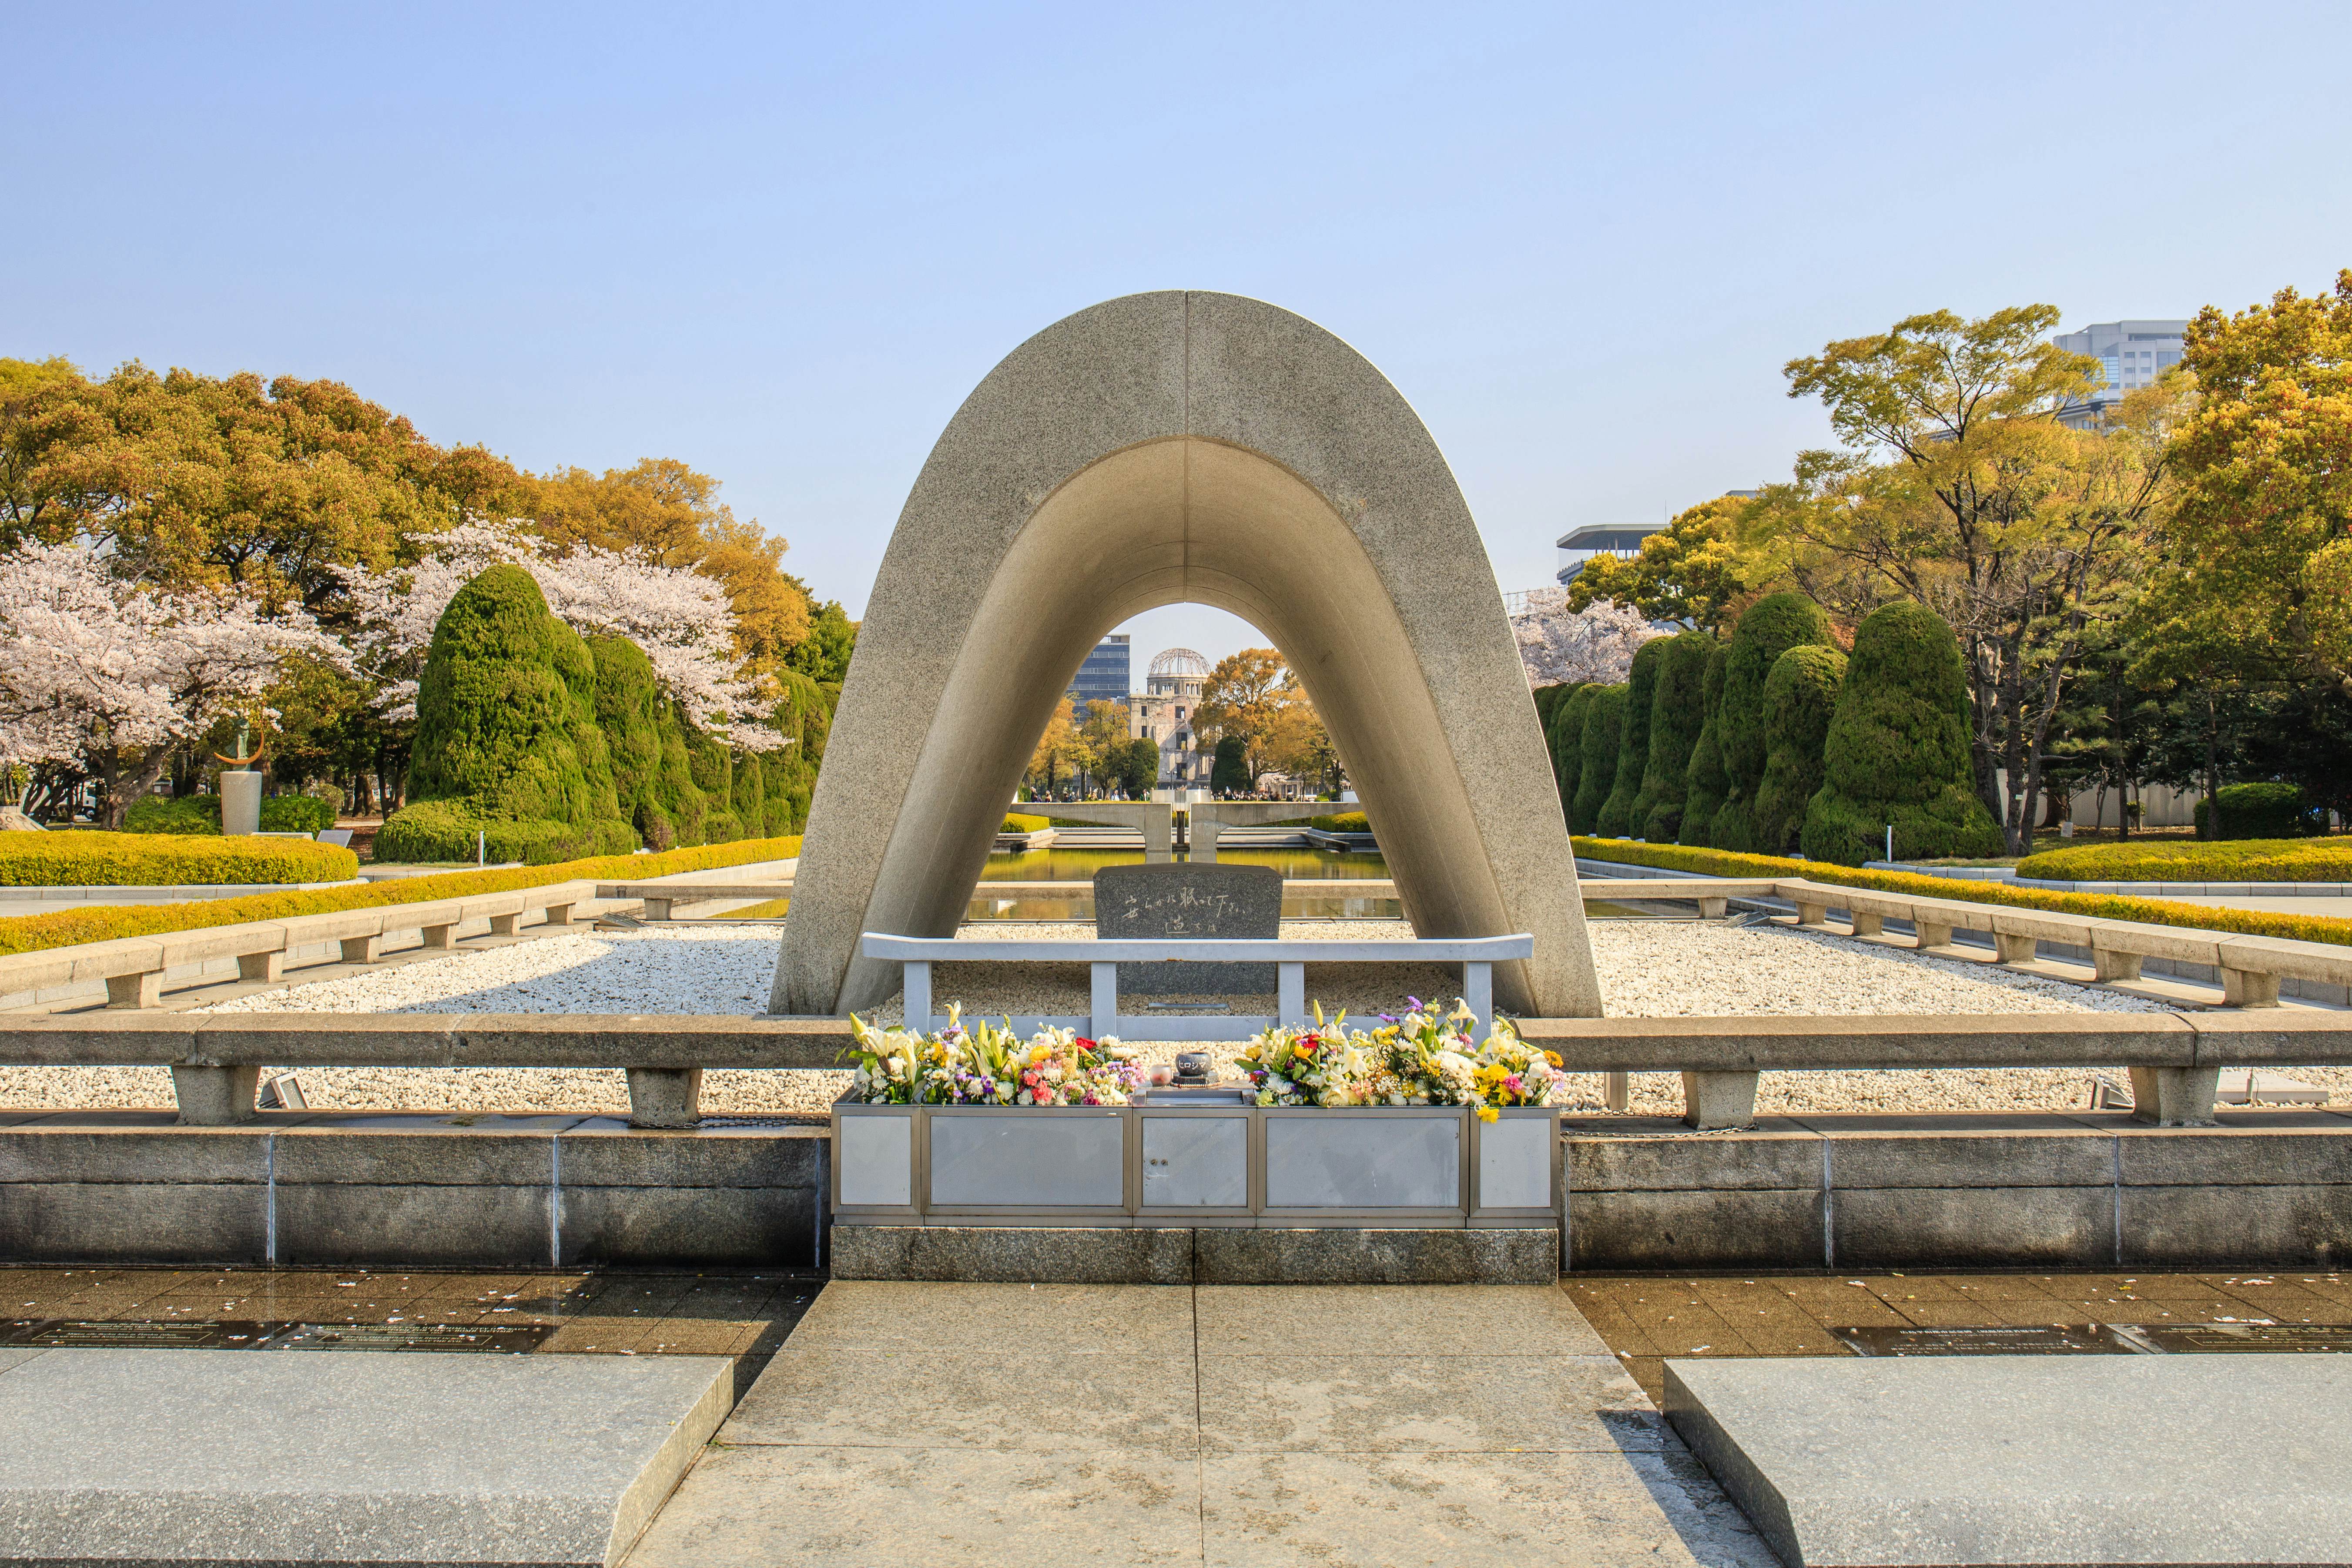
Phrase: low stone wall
(457, 1190)
(2087, 1190)
(2049, 1190)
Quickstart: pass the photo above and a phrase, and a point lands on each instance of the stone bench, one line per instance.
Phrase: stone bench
(2250, 966)
(2174, 1059)
(133, 968)
(216, 1059)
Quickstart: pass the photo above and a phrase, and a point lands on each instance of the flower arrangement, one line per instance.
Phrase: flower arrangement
(980, 1064)
(1425, 1058)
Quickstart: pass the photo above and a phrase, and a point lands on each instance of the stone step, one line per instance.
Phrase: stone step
(2171, 1460)
(195, 1457)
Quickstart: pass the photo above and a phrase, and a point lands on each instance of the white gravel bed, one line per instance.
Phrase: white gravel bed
(1647, 969)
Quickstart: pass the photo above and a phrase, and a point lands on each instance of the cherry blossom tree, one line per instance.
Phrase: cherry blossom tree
(680, 617)
(1559, 645)
(115, 682)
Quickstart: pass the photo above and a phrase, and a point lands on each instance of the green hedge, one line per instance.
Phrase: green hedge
(1706, 784)
(67, 928)
(2237, 860)
(156, 859)
(436, 832)
(1677, 715)
(2261, 811)
(1603, 726)
(1767, 629)
(200, 813)
(1799, 696)
(2106, 906)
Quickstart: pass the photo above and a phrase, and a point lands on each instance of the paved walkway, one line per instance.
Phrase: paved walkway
(1338, 1427)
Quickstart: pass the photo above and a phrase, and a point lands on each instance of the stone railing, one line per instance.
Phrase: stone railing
(2251, 966)
(2174, 1058)
(1476, 956)
(133, 967)
(661, 898)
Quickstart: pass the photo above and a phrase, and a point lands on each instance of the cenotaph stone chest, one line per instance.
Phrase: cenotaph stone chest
(1188, 903)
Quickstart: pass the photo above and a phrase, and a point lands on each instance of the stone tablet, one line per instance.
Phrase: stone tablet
(2038, 1339)
(1183, 902)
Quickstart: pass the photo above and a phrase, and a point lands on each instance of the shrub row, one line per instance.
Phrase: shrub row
(66, 927)
(2236, 860)
(156, 859)
(2105, 906)
(1018, 823)
(200, 813)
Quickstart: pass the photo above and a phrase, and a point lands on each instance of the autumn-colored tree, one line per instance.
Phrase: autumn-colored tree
(1691, 569)
(1100, 750)
(1239, 702)
(1054, 754)
(1298, 744)
(1958, 489)
(2257, 575)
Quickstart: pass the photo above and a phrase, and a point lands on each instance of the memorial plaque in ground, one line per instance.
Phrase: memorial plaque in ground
(1185, 902)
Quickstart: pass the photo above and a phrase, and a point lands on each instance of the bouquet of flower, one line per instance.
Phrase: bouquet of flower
(1324, 1065)
(1429, 1059)
(981, 1064)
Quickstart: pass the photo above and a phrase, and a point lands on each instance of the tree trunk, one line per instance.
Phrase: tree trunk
(2212, 769)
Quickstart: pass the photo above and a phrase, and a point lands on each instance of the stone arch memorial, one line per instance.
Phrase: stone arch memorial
(1184, 447)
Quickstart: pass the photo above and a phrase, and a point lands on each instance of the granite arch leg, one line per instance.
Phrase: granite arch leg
(1185, 448)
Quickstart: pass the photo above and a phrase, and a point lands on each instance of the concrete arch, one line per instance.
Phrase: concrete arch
(1184, 447)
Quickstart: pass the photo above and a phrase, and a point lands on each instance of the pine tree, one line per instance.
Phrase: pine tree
(1897, 749)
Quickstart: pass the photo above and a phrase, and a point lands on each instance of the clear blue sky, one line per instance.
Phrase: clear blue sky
(784, 245)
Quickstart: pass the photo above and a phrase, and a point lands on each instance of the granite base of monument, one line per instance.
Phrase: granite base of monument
(1176, 1254)
(2077, 1459)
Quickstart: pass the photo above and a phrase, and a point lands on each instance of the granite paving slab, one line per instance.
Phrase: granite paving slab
(217, 1456)
(2172, 1459)
(1408, 1320)
(1074, 1319)
(1402, 1403)
(849, 1506)
(975, 1397)
(1468, 1511)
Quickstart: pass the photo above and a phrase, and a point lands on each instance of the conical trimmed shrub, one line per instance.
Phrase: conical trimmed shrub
(1799, 697)
(1703, 782)
(1616, 818)
(1768, 628)
(507, 740)
(1677, 713)
(1603, 720)
(1564, 737)
(1897, 749)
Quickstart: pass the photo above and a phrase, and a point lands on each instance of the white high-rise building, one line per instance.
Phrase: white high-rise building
(2132, 353)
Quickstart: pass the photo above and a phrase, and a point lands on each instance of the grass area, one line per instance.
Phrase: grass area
(2105, 906)
(65, 928)
(161, 860)
(2228, 860)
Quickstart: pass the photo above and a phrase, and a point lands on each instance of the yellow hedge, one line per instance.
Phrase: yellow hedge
(65, 928)
(1020, 823)
(2105, 906)
(2188, 860)
(165, 859)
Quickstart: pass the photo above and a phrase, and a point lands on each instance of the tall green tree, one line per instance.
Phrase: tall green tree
(1677, 713)
(1767, 629)
(1799, 697)
(1690, 571)
(1704, 782)
(1958, 487)
(1604, 719)
(1896, 754)
(1565, 740)
(1617, 819)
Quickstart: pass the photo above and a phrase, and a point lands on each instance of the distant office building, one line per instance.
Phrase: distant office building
(1103, 678)
(1582, 544)
(2132, 353)
(1162, 712)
